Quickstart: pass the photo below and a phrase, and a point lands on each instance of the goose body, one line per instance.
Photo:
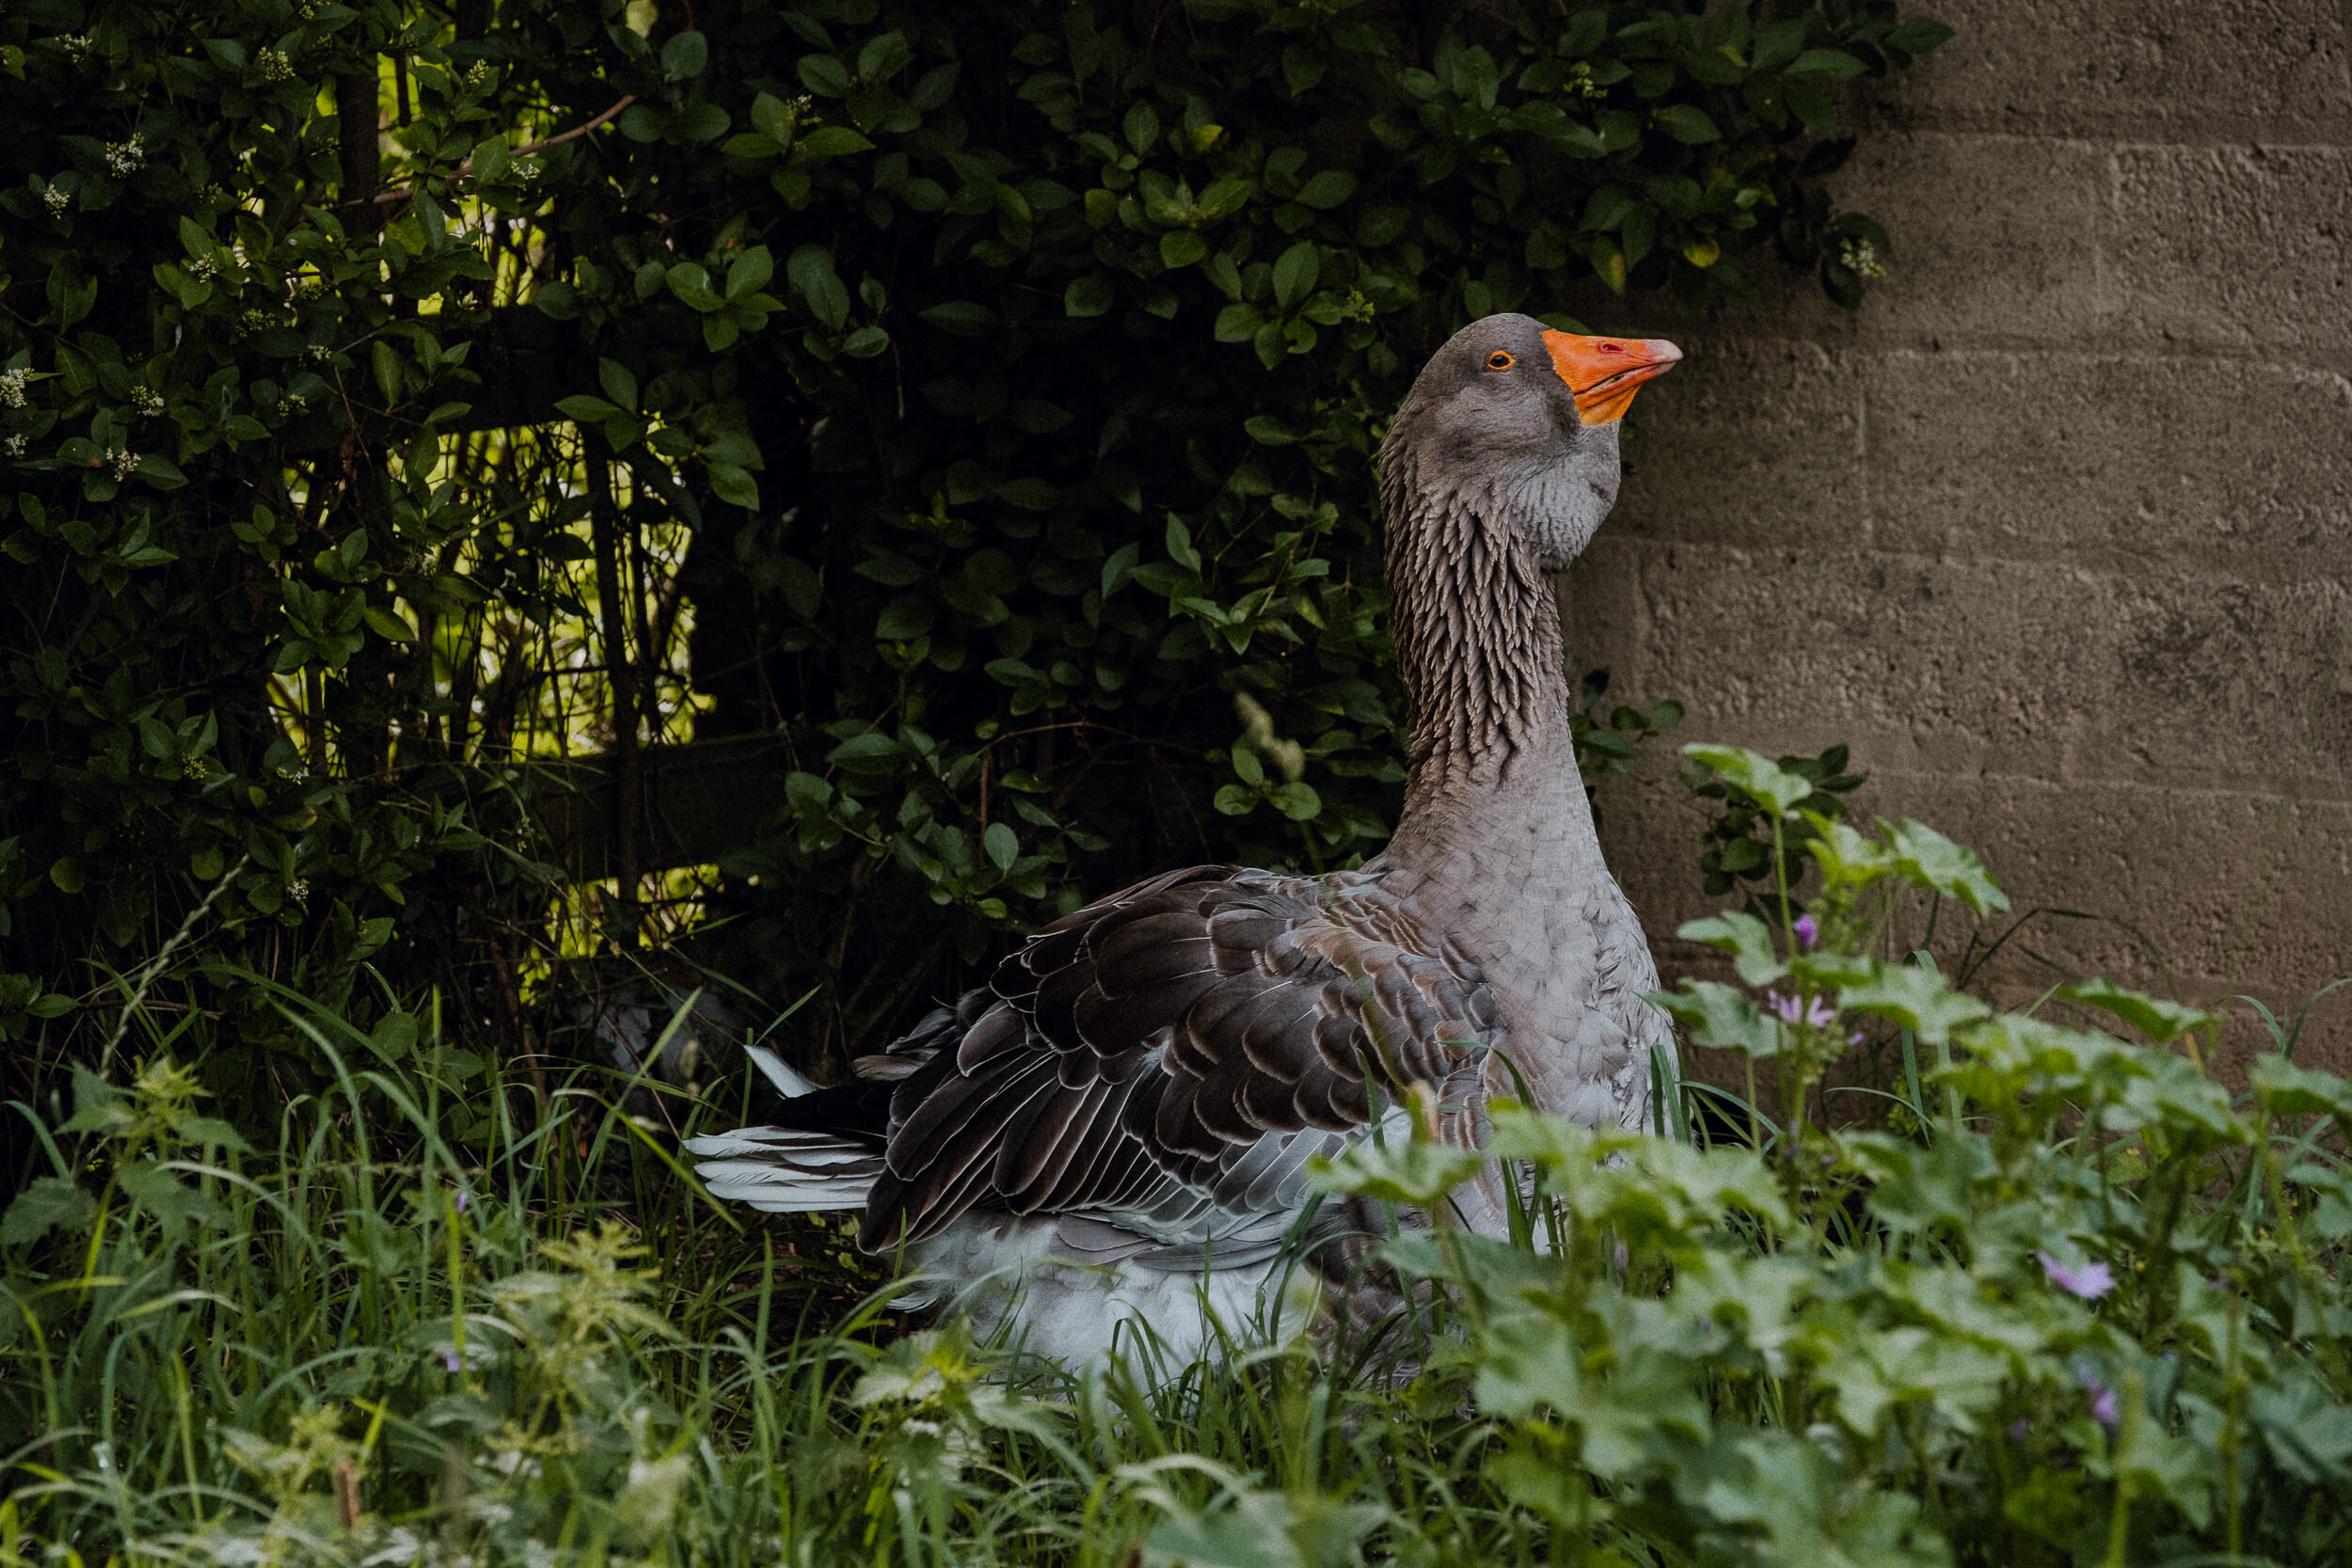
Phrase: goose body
(1115, 1131)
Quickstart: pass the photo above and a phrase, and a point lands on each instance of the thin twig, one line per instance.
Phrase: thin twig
(465, 171)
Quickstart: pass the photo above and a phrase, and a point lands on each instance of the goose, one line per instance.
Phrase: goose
(1113, 1135)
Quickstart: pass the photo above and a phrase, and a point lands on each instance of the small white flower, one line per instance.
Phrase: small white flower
(76, 47)
(125, 464)
(12, 447)
(57, 198)
(11, 388)
(300, 890)
(203, 268)
(1861, 257)
(477, 76)
(147, 401)
(126, 157)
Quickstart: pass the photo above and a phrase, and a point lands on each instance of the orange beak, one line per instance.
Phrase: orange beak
(1605, 373)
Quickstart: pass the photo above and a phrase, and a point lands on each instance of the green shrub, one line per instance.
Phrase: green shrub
(977, 398)
(2090, 1310)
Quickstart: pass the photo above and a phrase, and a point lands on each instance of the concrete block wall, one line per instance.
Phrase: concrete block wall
(2056, 532)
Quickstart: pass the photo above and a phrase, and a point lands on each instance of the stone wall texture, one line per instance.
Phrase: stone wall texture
(2056, 532)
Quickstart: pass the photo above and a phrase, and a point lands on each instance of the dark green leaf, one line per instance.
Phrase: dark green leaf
(685, 56)
(47, 1203)
(1826, 64)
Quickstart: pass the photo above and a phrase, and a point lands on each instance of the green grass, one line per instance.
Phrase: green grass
(371, 1341)
(441, 1316)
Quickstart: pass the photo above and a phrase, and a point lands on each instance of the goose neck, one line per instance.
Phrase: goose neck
(1478, 648)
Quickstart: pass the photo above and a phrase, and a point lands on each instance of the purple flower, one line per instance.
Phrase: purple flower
(449, 1360)
(2090, 1281)
(2018, 1429)
(1807, 932)
(1792, 1012)
(464, 1200)
(2103, 1405)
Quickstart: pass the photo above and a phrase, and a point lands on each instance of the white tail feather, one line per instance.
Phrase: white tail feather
(785, 1170)
(783, 1077)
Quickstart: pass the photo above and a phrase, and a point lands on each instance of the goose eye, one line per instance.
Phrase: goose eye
(1500, 359)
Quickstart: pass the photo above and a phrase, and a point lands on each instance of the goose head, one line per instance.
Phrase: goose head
(1524, 418)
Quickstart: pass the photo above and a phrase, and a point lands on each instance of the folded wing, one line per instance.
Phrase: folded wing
(1168, 1059)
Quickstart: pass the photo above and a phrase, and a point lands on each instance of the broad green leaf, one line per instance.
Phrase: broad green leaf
(2289, 1090)
(210, 1132)
(1238, 323)
(1328, 189)
(772, 119)
(1748, 939)
(394, 1036)
(1763, 780)
(833, 141)
(828, 299)
(385, 360)
(1778, 44)
(97, 1106)
(1927, 859)
(1917, 35)
(1295, 274)
(1826, 64)
(685, 56)
(1297, 801)
(390, 624)
(1916, 999)
(960, 317)
(824, 75)
(1409, 1171)
(47, 1203)
(1004, 845)
(1141, 127)
(2161, 1021)
(746, 274)
(1182, 248)
(1723, 1017)
(869, 751)
(1689, 124)
(906, 617)
(734, 485)
(1846, 859)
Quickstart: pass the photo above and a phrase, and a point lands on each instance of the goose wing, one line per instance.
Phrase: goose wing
(1167, 1059)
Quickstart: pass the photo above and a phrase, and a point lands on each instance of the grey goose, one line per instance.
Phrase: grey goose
(1115, 1130)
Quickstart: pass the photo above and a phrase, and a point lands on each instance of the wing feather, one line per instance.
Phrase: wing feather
(1177, 1053)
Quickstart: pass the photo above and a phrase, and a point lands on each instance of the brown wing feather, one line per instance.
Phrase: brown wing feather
(1180, 1037)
